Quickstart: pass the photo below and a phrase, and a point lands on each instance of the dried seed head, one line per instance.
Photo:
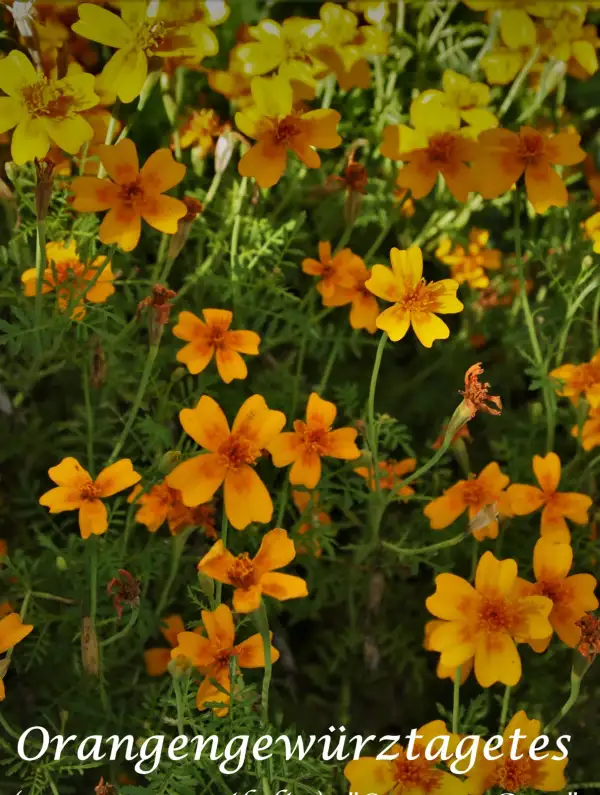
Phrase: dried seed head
(127, 591)
(45, 183)
(89, 647)
(184, 226)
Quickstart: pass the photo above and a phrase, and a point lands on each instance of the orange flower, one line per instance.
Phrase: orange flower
(157, 660)
(253, 577)
(309, 441)
(162, 503)
(132, 194)
(212, 337)
(580, 378)
(589, 645)
(555, 505)
(12, 631)
(571, 596)
(416, 302)
(200, 130)
(77, 491)
(278, 128)
(484, 623)
(505, 155)
(203, 516)
(332, 271)
(212, 654)
(70, 278)
(590, 431)
(230, 460)
(471, 495)
(476, 395)
(308, 504)
(351, 277)
(471, 263)
(390, 475)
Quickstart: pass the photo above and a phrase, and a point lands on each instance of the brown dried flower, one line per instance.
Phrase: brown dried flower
(476, 395)
(158, 304)
(128, 591)
(589, 645)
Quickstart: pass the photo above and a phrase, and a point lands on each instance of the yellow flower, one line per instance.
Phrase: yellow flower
(43, 110)
(592, 230)
(580, 378)
(374, 11)
(470, 264)
(416, 302)
(566, 38)
(200, 131)
(277, 128)
(468, 99)
(140, 32)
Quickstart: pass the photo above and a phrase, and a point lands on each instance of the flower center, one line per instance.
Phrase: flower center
(421, 298)
(314, 439)
(217, 336)
(441, 148)
(466, 99)
(496, 613)
(89, 491)
(286, 129)
(222, 658)
(66, 271)
(473, 492)
(555, 590)
(45, 98)
(238, 451)
(417, 774)
(531, 147)
(515, 774)
(241, 572)
(150, 36)
(132, 193)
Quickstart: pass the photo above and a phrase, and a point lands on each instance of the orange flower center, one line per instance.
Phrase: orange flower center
(241, 572)
(150, 36)
(216, 336)
(474, 492)
(66, 271)
(442, 149)
(556, 590)
(286, 130)
(531, 147)
(238, 451)
(45, 98)
(132, 193)
(422, 298)
(417, 774)
(585, 376)
(515, 774)
(315, 438)
(222, 658)
(496, 613)
(89, 491)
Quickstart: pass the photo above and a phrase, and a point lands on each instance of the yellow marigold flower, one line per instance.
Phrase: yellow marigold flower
(157, 659)
(567, 38)
(310, 440)
(416, 302)
(467, 98)
(71, 278)
(515, 769)
(391, 473)
(140, 32)
(131, 194)
(592, 230)
(212, 655)
(469, 264)
(433, 145)
(212, 337)
(485, 622)
(76, 490)
(230, 460)
(252, 578)
(43, 110)
(580, 378)
(375, 12)
(286, 48)
(412, 775)
(571, 596)
(471, 495)
(590, 432)
(446, 671)
(12, 631)
(277, 128)
(232, 82)
(517, 28)
(504, 156)
(200, 131)
(555, 505)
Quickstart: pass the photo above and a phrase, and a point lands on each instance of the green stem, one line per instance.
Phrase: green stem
(518, 82)
(110, 131)
(93, 558)
(152, 353)
(262, 621)
(235, 237)
(437, 456)
(333, 354)
(224, 529)
(53, 598)
(504, 712)
(212, 188)
(408, 552)
(569, 703)
(441, 24)
(596, 321)
(372, 429)
(40, 267)
(456, 701)
(179, 705)
(133, 617)
(90, 421)
(176, 552)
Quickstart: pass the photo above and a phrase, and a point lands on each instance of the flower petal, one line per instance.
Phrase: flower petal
(251, 653)
(117, 477)
(93, 518)
(206, 423)
(198, 478)
(428, 328)
(163, 213)
(120, 161)
(547, 472)
(276, 551)
(283, 586)
(12, 631)
(161, 172)
(246, 498)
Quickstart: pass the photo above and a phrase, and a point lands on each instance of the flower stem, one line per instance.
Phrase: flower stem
(176, 552)
(90, 421)
(224, 529)
(456, 701)
(569, 703)
(262, 621)
(504, 712)
(407, 552)
(372, 429)
(235, 237)
(40, 267)
(152, 353)
(596, 321)
(518, 82)
(133, 617)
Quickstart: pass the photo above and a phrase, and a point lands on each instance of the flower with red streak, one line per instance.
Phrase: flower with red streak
(128, 591)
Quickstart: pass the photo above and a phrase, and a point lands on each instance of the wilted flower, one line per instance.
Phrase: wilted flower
(127, 591)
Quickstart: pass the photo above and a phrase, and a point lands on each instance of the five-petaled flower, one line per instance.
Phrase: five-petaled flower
(278, 128)
(213, 337)
(556, 505)
(212, 654)
(310, 440)
(43, 109)
(157, 659)
(484, 622)
(253, 577)
(416, 302)
(76, 490)
(131, 194)
(230, 460)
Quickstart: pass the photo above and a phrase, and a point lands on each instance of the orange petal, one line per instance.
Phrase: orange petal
(157, 661)
(217, 563)
(395, 321)
(219, 626)
(497, 659)
(246, 498)
(524, 499)
(117, 477)
(285, 448)
(230, 365)
(384, 284)
(495, 575)
(69, 473)
(265, 164)
(276, 551)
(92, 195)
(161, 172)
(189, 326)
(196, 356)
(163, 213)
(220, 318)
(545, 188)
(572, 505)
(198, 478)
(251, 653)
(193, 647)
(120, 161)
(306, 470)
(12, 631)
(93, 518)
(547, 472)
(444, 511)
(341, 444)
(319, 411)
(247, 600)
(243, 341)
(62, 498)
(452, 598)
(170, 629)
(206, 423)
(283, 586)
(123, 226)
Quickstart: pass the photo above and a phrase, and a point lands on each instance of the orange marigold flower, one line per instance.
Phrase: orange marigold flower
(203, 516)
(555, 505)
(253, 577)
(571, 596)
(310, 440)
(76, 490)
(504, 156)
(589, 645)
(391, 473)
(230, 460)
(485, 622)
(516, 769)
(590, 431)
(212, 337)
(409, 775)
(471, 263)
(416, 302)
(200, 130)
(471, 495)
(476, 396)
(580, 378)
(73, 281)
(278, 128)
(157, 659)
(332, 270)
(12, 631)
(308, 504)
(131, 194)
(212, 654)
(446, 671)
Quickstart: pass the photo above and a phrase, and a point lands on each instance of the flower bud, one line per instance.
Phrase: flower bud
(43, 190)
(206, 584)
(224, 150)
(169, 461)
(184, 226)
(61, 564)
(89, 647)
